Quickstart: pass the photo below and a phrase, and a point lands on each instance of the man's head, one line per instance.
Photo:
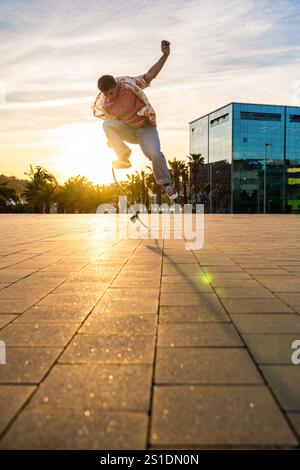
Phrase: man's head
(108, 85)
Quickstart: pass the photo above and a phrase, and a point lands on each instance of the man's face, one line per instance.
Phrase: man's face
(112, 93)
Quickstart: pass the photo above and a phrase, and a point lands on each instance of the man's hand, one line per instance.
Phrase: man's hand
(165, 47)
(156, 68)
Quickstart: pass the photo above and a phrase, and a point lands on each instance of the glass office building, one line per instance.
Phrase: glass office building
(251, 156)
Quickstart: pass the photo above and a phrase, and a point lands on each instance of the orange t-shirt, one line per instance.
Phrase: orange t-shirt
(125, 107)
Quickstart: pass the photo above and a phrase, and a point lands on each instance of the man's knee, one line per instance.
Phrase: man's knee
(108, 123)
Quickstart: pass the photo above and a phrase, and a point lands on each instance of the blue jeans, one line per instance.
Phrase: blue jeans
(146, 136)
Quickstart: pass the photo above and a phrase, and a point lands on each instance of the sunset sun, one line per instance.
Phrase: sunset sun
(84, 152)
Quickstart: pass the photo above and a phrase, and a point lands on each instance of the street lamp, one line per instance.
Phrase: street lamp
(265, 178)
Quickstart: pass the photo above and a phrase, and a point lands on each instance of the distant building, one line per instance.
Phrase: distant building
(252, 158)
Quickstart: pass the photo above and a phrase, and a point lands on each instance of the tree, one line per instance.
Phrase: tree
(195, 160)
(178, 171)
(152, 185)
(78, 195)
(7, 195)
(185, 180)
(40, 189)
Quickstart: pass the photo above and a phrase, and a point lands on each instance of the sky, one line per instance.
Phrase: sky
(52, 53)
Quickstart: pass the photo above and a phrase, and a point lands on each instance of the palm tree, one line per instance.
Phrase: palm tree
(144, 189)
(195, 161)
(175, 171)
(7, 194)
(78, 195)
(178, 171)
(185, 179)
(40, 189)
(152, 185)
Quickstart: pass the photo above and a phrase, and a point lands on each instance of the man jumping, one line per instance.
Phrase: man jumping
(129, 117)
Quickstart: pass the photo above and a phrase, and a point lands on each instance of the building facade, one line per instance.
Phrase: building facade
(251, 155)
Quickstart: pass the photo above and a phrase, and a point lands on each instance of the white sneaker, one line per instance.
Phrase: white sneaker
(171, 191)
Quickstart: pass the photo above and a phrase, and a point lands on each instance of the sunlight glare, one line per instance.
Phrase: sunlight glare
(84, 152)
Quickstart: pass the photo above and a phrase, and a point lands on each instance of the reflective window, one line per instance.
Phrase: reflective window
(253, 146)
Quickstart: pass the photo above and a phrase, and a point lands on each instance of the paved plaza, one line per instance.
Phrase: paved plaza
(142, 344)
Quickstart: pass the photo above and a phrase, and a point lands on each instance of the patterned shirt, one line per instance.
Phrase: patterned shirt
(126, 107)
(135, 84)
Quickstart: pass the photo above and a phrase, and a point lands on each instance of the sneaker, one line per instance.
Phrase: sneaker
(171, 191)
(123, 162)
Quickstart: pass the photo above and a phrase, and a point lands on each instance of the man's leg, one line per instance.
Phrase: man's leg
(117, 132)
(150, 144)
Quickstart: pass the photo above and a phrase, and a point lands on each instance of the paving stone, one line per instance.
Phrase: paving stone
(227, 276)
(5, 319)
(37, 335)
(27, 365)
(120, 294)
(267, 323)
(291, 298)
(186, 287)
(55, 314)
(189, 298)
(4, 285)
(215, 261)
(135, 305)
(96, 387)
(267, 271)
(12, 275)
(15, 305)
(256, 306)
(128, 325)
(263, 264)
(193, 313)
(177, 269)
(197, 334)
(66, 267)
(284, 380)
(110, 350)
(295, 420)
(271, 349)
(79, 288)
(31, 264)
(218, 416)
(143, 269)
(71, 299)
(281, 284)
(56, 430)
(205, 366)
(190, 259)
(234, 282)
(183, 279)
(243, 293)
(213, 270)
(136, 281)
(12, 398)
(31, 295)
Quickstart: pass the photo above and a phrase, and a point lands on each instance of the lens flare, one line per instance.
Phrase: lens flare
(206, 278)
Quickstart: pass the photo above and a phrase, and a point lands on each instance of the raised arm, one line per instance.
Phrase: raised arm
(156, 68)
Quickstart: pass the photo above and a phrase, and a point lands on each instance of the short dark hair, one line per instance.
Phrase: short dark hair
(106, 82)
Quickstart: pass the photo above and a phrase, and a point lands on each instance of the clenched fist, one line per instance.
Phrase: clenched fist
(165, 47)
